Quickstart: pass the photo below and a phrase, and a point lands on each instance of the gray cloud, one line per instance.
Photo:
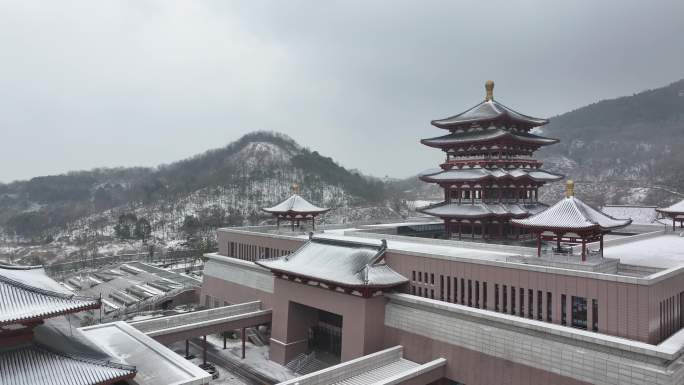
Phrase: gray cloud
(88, 84)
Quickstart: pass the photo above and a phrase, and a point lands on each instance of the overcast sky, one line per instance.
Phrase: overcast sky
(123, 83)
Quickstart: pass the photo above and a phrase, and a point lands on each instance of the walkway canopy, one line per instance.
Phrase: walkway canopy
(674, 212)
(571, 220)
(295, 208)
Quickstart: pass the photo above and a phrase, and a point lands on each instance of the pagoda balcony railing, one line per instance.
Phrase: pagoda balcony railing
(460, 163)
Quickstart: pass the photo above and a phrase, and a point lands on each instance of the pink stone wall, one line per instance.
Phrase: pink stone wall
(470, 367)
(362, 320)
(232, 293)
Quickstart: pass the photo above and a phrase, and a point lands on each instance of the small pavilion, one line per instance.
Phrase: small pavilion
(571, 220)
(674, 212)
(295, 209)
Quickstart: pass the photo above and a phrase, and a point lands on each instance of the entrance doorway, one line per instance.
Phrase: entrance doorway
(326, 335)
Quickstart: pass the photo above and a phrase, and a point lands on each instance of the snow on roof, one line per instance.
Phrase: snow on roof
(487, 112)
(295, 204)
(155, 363)
(663, 251)
(480, 210)
(643, 215)
(477, 174)
(28, 293)
(342, 262)
(677, 208)
(572, 214)
(38, 364)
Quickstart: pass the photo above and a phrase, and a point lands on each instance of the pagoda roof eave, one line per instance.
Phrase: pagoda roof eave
(535, 175)
(295, 204)
(571, 214)
(486, 113)
(483, 137)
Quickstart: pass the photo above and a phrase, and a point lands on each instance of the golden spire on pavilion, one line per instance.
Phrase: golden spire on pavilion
(489, 86)
(569, 188)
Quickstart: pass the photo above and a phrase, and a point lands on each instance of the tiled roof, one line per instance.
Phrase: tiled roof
(482, 210)
(677, 208)
(489, 111)
(29, 294)
(572, 214)
(36, 364)
(478, 174)
(479, 136)
(348, 264)
(295, 204)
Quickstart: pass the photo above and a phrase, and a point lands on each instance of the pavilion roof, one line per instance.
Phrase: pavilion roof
(35, 363)
(338, 262)
(486, 135)
(467, 210)
(677, 208)
(27, 293)
(572, 214)
(437, 175)
(486, 113)
(295, 204)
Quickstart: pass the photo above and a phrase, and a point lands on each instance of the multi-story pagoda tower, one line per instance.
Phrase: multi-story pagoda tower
(489, 175)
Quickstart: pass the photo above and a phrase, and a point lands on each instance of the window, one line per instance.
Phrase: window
(564, 315)
(549, 306)
(432, 278)
(413, 290)
(530, 303)
(477, 294)
(432, 293)
(441, 287)
(579, 312)
(539, 305)
(484, 295)
(420, 291)
(448, 287)
(513, 300)
(462, 291)
(420, 276)
(455, 290)
(594, 315)
(505, 299)
(496, 297)
(470, 293)
(414, 275)
(522, 302)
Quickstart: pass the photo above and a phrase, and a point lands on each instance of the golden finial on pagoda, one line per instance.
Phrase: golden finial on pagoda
(569, 188)
(489, 86)
(295, 188)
